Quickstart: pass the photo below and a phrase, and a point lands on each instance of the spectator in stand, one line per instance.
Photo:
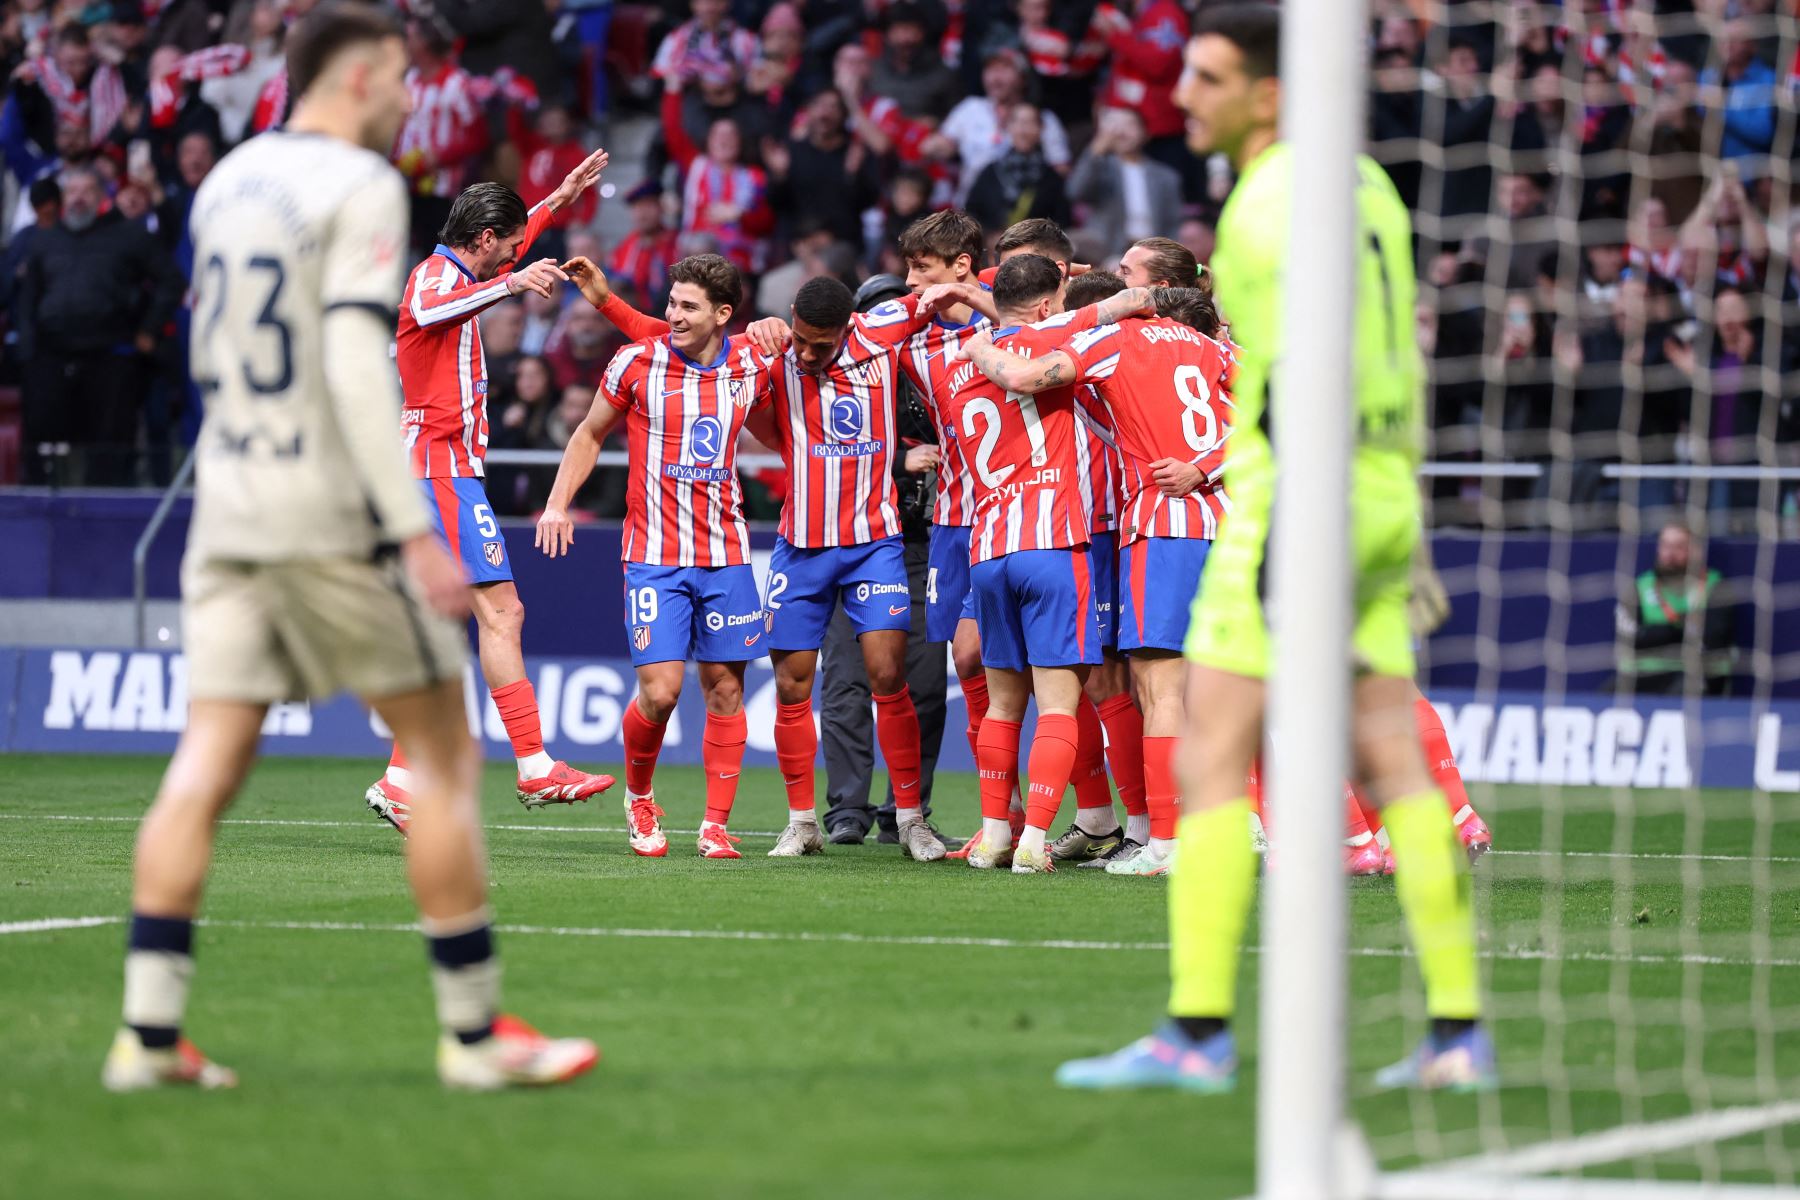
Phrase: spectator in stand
(509, 34)
(1146, 64)
(709, 39)
(908, 199)
(1726, 231)
(580, 348)
(1065, 49)
(1396, 116)
(1530, 232)
(1126, 194)
(876, 120)
(974, 134)
(446, 133)
(1200, 238)
(1468, 117)
(728, 199)
(541, 315)
(824, 173)
(910, 71)
(592, 22)
(71, 148)
(255, 25)
(693, 104)
(639, 265)
(502, 329)
(97, 294)
(66, 87)
(45, 198)
(604, 493)
(1739, 425)
(776, 290)
(1020, 183)
(548, 150)
(526, 397)
(1744, 87)
(774, 77)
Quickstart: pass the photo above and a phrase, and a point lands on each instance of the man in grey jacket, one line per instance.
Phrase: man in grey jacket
(1128, 196)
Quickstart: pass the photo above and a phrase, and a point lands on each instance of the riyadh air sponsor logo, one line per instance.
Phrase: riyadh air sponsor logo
(850, 450)
(689, 474)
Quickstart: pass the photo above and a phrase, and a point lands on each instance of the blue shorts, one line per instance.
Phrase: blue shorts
(459, 510)
(1103, 569)
(1160, 578)
(948, 598)
(804, 586)
(1036, 609)
(708, 614)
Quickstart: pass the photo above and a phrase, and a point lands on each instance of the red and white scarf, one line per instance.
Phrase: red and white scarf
(100, 104)
(214, 62)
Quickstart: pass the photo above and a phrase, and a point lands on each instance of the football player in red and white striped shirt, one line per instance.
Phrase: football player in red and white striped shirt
(1033, 588)
(689, 590)
(1164, 384)
(833, 421)
(443, 377)
(943, 248)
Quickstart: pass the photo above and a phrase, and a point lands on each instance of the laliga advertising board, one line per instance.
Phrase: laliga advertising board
(97, 701)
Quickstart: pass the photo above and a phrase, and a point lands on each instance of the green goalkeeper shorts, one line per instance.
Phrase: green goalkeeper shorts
(1227, 629)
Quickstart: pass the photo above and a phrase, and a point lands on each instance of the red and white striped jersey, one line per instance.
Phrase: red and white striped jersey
(1096, 460)
(682, 421)
(443, 372)
(1165, 386)
(1021, 452)
(837, 433)
(446, 129)
(925, 358)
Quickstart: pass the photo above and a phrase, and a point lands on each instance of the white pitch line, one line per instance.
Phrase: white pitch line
(1627, 1142)
(877, 939)
(534, 827)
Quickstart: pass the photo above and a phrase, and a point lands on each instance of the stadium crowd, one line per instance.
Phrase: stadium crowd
(799, 139)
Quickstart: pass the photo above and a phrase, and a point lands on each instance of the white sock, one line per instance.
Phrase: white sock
(400, 777)
(535, 766)
(908, 816)
(1137, 827)
(1359, 839)
(156, 988)
(467, 997)
(632, 797)
(803, 816)
(1382, 837)
(1161, 847)
(996, 834)
(1032, 840)
(1097, 820)
(1462, 814)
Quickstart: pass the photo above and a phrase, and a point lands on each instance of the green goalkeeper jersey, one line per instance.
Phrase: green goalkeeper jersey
(1250, 269)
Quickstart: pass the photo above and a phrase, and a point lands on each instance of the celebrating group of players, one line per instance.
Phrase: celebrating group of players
(1084, 421)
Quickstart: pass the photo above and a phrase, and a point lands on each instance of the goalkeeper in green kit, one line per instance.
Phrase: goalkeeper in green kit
(1231, 91)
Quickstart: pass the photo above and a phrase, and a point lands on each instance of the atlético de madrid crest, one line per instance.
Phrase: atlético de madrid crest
(640, 638)
(494, 552)
(741, 391)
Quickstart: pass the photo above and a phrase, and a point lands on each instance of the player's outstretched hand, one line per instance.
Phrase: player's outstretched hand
(923, 457)
(1177, 478)
(541, 277)
(964, 351)
(438, 576)
(589, 278)
(555, 532)
(940, 296)
(770, 335)
(583, 177)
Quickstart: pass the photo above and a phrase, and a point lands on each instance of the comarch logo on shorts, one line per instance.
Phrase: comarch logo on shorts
(717, 621)
(866, 590)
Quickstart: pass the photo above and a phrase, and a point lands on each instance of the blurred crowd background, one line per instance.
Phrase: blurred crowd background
(1602, 189)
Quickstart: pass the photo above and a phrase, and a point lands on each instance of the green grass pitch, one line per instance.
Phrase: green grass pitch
(816, 1027)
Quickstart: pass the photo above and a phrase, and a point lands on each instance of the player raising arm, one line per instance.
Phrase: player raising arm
(689, 590)
(1232, 94)
(443, 373)
(312, 567)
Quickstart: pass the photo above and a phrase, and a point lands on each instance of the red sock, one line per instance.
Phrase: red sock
(1089, 777)
(397, 758)
(998, 760)
(1053, 751)
(1159, 786)
(1253, 789)
(722, 753)
(1354, 824)
(1371, 815)
(519, 713)
(897, 729)
(1125, 750)
(643, 740)
(796, 749)
(1436, 744)
(975, 696)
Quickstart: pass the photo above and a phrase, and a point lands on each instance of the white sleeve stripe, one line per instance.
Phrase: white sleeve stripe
(457, 309)
(1104, 368)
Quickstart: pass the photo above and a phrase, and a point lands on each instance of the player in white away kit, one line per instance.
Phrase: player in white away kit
(312, 567)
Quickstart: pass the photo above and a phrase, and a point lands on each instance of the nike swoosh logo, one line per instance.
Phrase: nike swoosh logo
(723, 775)
(895, 610)
(752, 639)
(638, 762)
(676, 392)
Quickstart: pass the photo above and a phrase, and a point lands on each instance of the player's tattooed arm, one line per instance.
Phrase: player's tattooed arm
(1129, 303)
(1017, 374)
